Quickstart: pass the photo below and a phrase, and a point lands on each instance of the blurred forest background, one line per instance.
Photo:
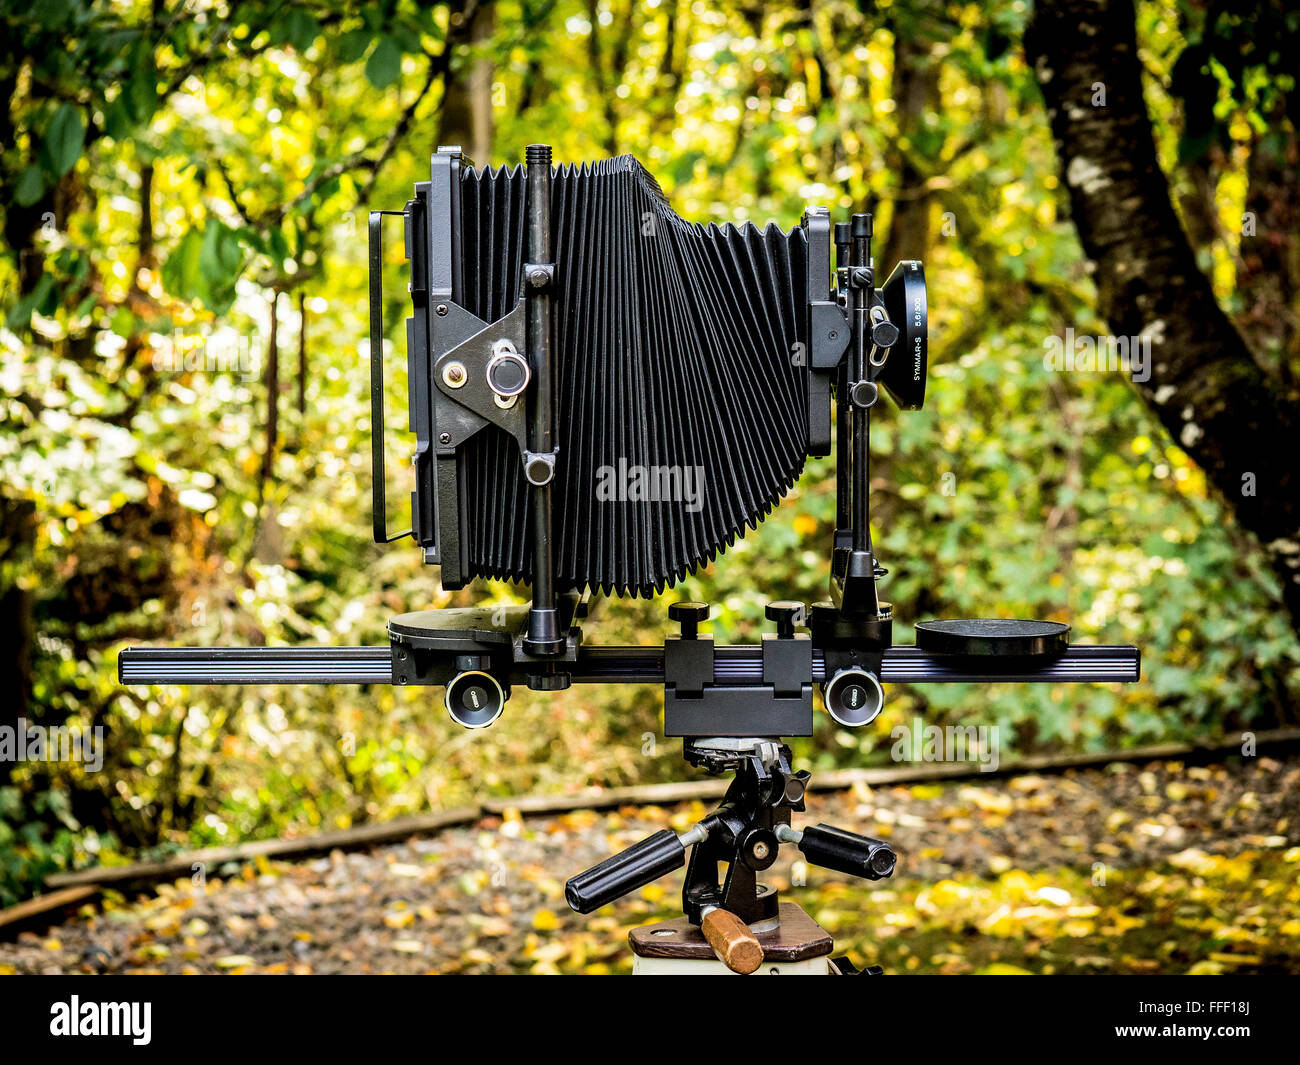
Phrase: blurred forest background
(192, 179)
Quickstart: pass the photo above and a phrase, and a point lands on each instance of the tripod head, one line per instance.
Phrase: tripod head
(745, 833)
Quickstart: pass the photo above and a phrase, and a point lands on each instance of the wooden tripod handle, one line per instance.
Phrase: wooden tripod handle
(732, 941)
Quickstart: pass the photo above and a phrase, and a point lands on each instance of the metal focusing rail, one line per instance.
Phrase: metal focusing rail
(734, 664)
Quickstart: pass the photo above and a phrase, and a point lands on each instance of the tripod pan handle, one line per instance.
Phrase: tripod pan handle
(626, 871)
(732, 941)
(847, 852)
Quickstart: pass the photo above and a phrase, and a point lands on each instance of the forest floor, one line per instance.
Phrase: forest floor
(1163, 867)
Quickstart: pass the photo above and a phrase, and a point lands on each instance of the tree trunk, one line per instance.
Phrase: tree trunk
(916, 92)
(302, 355)
(466, 112)
(1270, 249)
(272, 395)
(1239, 423)
(17, 536)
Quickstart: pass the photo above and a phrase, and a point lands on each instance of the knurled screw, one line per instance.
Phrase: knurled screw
(787, 614)
(689, 615)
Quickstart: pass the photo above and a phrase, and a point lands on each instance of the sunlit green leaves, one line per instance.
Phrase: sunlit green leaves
(205, 266)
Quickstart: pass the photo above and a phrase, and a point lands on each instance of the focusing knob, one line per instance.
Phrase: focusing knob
(853, 697)
(689, 615)
(884, 333)
(508, 373)
(474, 699)
(864, 394)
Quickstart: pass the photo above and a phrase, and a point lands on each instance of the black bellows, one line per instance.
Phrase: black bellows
(682, 378)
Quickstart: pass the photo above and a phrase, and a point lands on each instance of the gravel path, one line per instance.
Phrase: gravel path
(489, 898)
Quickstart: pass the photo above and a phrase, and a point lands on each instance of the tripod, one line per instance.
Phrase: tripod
(735, 923)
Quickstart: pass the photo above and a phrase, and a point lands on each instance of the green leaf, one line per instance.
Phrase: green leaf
(52, 13)
(181, 274)
(219, 256)
(352, 45)
(38, 299)
(302, 28)
(122, 323)
(142, 95)
(141, 92)
(65, 137)
(30, 186)
(384, 64)
(278, 245)
(117, 119)
(407, 40)
(215, 266)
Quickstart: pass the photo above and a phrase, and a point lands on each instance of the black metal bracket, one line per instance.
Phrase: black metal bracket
(696, 703)
(826, 327)
(744, 833)
(379, 502)
(469, 389)
(431, 647)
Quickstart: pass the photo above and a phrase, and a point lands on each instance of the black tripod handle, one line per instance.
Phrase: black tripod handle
(626, 871)
(847, 852)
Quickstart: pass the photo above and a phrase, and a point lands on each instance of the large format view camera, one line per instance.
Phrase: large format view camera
(603, 398)
(691, 366)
